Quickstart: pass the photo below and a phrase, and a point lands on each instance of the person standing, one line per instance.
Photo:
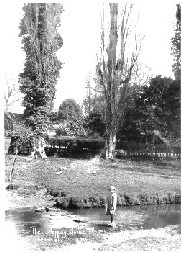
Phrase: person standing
(111, 204)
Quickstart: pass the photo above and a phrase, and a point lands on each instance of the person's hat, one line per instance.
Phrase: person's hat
(112, 188)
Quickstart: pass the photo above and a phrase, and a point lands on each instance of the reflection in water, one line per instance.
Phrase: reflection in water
(145, 217)
(25, 219)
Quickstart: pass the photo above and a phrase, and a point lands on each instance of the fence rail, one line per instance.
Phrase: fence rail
(157, 151)
(153, 155)
(130, 149)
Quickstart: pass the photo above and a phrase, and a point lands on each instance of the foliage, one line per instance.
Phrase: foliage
(156, 114)
(53, 116)
(98, 105)
(95, 124)
(70, 119)
(94, 120)
(69, 109)
(40, 40)
(71, 127)
(176, 45)
(23, 134)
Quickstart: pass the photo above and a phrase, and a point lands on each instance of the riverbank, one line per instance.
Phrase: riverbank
(84, 183)
(121, 238)
(81, 183)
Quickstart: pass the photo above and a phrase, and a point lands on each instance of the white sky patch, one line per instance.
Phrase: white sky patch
(80, 34)
(157, 24)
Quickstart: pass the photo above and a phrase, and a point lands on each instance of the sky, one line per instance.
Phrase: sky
(80, 23)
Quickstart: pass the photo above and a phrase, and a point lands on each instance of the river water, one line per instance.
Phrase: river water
(23, 221)
(140, 217)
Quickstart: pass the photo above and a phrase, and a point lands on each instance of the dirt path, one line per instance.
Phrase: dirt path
(167, 239)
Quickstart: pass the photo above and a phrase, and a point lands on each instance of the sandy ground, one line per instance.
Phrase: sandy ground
(163, 239)
(167, 239)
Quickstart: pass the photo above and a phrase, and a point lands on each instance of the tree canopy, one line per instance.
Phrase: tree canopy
(41, 40)
(155, 116)
(70, 119)
(69, 109)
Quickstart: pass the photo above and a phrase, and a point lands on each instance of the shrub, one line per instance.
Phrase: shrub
(63, 202)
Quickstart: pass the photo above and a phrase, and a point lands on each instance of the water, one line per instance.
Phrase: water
(23, 220)
(140, 217)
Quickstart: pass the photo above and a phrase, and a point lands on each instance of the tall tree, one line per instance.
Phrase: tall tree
(41, 40)
(115, 68)
(176, 45)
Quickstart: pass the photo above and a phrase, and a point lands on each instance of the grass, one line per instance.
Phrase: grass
(166, 239)
(85, 182)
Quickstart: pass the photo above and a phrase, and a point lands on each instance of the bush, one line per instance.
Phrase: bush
(63, 202)
(76, 202)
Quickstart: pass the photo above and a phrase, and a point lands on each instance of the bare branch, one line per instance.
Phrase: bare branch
(115, 74)
(101, 75)
(126, 27)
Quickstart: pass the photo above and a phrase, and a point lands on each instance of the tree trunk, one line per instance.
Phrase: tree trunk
(38, 148)
(111, 114)
(110, 146)
(13, 166)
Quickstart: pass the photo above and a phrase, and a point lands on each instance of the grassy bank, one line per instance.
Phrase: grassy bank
(77, 183)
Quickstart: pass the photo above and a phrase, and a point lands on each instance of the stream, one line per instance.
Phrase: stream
(139, 217)
(24, 221)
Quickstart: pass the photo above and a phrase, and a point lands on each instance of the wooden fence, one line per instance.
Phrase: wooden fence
(138, 154)
(135, 150)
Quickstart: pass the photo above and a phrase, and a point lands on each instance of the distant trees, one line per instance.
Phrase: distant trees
(69, 109)
(71, 128)
(94, 108)
(70, 119)
(94, 120)
(155, 116)
(40, 39)
(95, 125)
